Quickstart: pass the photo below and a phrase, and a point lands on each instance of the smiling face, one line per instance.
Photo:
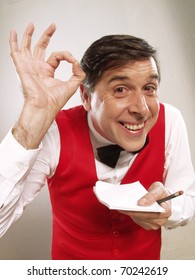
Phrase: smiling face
(124, 105)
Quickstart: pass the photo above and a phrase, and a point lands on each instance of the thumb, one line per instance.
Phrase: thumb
(155, 192)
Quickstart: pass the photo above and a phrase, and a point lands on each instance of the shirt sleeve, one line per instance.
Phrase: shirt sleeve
(23, 174)
(179, 173)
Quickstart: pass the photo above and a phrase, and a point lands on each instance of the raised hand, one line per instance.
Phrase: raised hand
(40, 88)
(44, 95)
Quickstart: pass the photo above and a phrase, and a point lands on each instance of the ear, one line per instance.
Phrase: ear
(86, 98)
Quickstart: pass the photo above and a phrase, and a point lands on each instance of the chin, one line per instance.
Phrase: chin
(136, 146)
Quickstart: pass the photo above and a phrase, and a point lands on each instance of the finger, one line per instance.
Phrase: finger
(167, 207)
(148, 224)
(156, 186)
(155, 192)
(40, 47)
(56, 57)
(142, 215)
(151, 222)
(78, 75)
(26, 40)
(13, 43)
(76, 79)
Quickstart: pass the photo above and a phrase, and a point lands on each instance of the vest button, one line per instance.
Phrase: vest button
(115, 216)
(122, 218)
(116, 252)
(116, 233)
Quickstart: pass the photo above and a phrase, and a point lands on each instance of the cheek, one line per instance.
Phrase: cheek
(103, 114)
(113, 107)
(105, 107)
(154, 110)
(97, 102)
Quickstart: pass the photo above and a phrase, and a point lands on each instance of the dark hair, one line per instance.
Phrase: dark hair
(113, 51)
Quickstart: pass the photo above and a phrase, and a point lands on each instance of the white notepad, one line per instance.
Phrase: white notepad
(123, 197)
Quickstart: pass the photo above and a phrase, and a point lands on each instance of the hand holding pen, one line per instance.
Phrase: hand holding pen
(153, 220)
(171, 196)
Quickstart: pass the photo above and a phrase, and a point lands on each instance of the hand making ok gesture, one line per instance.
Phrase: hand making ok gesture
(44, 95)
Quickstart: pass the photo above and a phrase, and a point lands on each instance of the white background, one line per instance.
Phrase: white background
(169, 25)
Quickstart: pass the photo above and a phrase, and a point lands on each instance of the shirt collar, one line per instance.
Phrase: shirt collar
(97, 139)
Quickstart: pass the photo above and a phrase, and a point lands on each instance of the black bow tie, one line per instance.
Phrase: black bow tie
(109, 154)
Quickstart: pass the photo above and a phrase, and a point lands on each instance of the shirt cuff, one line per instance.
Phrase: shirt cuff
(181, 214)
(15, 160)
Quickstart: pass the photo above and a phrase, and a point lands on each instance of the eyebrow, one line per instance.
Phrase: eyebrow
(123, 77)
(154, 77)
(118, 77)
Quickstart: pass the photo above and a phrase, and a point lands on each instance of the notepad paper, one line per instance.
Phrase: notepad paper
(123, 197)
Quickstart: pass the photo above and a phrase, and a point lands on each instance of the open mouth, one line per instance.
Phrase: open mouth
(133, 127)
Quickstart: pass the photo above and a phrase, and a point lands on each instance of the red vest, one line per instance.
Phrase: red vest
(83, 228)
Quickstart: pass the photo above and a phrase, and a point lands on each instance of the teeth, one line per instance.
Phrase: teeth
(134, 126)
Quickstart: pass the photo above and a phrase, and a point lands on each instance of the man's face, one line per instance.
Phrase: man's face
(124, 105)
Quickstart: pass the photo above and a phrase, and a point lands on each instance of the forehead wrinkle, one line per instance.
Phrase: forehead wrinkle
(146, 70)
(119, 77)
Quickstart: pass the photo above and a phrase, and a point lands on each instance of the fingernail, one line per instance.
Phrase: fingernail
(142, 202)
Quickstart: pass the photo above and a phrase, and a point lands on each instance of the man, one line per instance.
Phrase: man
(119, 79)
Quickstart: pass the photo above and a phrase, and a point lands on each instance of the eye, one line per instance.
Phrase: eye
(150, 89)
(120, 90)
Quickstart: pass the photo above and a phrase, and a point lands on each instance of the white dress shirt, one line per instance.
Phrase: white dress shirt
(23, 172)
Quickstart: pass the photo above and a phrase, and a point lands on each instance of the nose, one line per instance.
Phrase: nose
(137, 104)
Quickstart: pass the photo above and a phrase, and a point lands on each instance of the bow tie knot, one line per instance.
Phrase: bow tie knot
(109, 154)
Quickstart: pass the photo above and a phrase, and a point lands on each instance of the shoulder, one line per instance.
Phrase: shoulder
(71, 113)
(175, 127)
(72, 119)
(172, 114)
(170, 109)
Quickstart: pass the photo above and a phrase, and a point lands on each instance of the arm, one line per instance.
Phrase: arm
(23, 173)
(28, 158)
(179, 172)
